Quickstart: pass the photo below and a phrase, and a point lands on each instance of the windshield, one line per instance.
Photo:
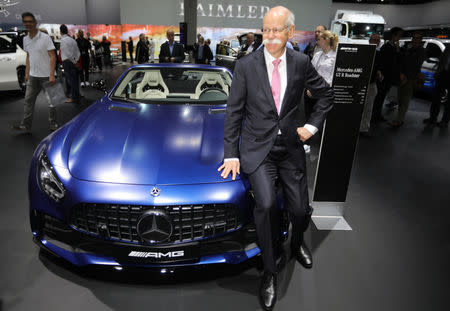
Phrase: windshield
(174, 85)
(364, 31)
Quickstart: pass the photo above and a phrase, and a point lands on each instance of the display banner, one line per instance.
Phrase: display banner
(351, 78)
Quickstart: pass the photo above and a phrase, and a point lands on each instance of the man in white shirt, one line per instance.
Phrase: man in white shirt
(39, 73)
(70, 55)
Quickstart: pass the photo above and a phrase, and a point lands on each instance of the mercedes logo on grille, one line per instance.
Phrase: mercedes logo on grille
(155, 191)
(154, 226)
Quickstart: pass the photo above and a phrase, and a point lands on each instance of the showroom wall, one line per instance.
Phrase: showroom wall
(404, 15)
(64, 11)
(223, 13)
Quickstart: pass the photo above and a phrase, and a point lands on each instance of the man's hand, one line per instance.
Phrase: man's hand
(172, 59)
(304, 134)
(232, 166)
(27, 75)
(167, 59)
(308, 93)
(51, 79)
(402, 79)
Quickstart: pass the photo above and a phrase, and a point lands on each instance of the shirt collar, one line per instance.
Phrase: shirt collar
(269, 58)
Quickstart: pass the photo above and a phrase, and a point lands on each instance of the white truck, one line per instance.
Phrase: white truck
(12, 63)
(356, 26)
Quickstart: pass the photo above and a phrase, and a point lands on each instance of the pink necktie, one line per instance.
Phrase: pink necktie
(276, 84)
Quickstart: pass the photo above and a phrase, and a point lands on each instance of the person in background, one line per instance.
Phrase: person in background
(323, 61)
(85, 49)
(171, 51)
(130, 48)
(442, 83)
(313, 48)
(91, 52)
(410, 61)
(390, 70)
(106, 44)
(70, 54)
(98, 53)
(202, 52)
(371, 90)
(141, 50)
(151, 51)
(39, 72)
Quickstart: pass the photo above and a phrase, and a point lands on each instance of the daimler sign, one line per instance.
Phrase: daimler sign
(228, 10)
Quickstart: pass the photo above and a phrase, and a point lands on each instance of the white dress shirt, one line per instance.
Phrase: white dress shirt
(69, 49)
(37, 49)
(324, 64)
(282, 69)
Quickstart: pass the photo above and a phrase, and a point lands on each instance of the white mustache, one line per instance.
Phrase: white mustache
(272, 41)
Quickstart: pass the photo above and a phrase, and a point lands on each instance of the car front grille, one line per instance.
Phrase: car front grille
(190, 222)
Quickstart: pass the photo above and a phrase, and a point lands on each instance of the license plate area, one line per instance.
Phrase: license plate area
(163, 254)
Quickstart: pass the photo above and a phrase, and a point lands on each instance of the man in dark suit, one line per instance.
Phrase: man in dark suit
(171, 51)
(312, 47)
(264, 133)
(389, 64)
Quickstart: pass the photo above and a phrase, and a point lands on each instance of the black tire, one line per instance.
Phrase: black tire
(21, 79)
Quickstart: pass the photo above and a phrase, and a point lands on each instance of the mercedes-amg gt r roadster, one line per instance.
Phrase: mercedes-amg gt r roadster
(133, 180)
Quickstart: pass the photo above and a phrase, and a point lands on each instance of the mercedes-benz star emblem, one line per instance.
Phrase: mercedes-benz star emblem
(154, 226)
(155, 191)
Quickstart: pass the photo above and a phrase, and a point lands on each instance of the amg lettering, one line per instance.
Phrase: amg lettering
(156, 255)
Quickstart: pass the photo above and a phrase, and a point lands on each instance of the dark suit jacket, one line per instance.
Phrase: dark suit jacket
(207, 54)
(252, 115)
(178, 52)
(389, 60)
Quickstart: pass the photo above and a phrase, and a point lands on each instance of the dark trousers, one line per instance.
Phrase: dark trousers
(107, 59)
(98, 61)
(131, 55)
(279, 167)
(84, 73)
(383, 88)
(72, 82)
(442, 83)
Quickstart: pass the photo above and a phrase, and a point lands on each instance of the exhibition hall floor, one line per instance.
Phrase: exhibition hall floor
(395, 258)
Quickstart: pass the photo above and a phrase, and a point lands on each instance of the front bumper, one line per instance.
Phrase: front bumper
(81, 249)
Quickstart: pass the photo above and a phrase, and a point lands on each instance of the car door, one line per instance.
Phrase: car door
(8, 76)
(225, 56)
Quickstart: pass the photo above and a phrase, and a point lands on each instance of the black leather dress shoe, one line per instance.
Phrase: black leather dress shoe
(268, 291)
(303, 256)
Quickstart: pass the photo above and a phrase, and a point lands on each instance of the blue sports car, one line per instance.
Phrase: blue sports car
(133, 180)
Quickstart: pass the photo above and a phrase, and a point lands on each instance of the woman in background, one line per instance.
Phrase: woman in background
(323, 61)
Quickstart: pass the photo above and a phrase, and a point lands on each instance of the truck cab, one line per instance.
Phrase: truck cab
(356, 26)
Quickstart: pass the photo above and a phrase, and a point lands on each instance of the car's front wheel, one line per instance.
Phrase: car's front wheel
(21, 79)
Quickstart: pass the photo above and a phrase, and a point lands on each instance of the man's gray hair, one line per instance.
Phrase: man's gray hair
(290, 21)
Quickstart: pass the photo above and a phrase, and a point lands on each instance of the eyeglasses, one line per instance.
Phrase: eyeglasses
(275, 30)
(27, 21)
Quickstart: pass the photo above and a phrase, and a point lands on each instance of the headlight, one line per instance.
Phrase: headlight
(48, 180)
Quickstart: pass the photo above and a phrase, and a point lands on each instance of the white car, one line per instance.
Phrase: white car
(12, 63)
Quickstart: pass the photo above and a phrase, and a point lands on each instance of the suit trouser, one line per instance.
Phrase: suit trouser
(279, 164)
(34, 86)
(84, 74)
(367, 113)
(442, 82)
(131, 55)
(405, 93)
(383, 88)
(72, 79)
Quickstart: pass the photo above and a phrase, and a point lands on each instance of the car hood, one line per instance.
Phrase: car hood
(148, 144)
